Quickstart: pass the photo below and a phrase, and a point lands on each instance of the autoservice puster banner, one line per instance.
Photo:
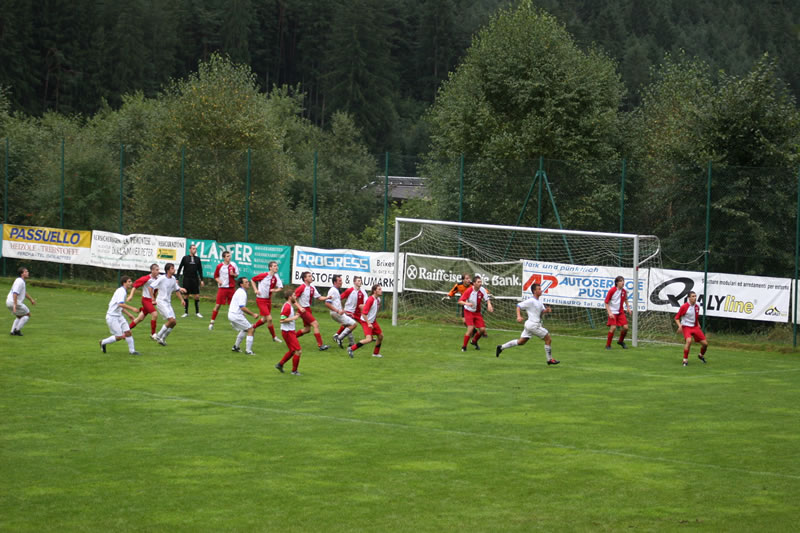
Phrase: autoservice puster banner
(438, 274)
(579, 285)
(373, 267)
(729, 295)
(47, 244)
(136, 251)
(251, 258)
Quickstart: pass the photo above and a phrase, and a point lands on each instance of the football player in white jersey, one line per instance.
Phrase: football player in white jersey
(117, 324)
(304, 294)
(533, 325)
(166, 285)
(334, 303)
(16, 302)
(236, 311)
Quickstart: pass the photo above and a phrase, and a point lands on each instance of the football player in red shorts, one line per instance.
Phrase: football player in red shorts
(472, 299)
(288, 333)
(688, 323)
(148, 296)
(369, 323)
(304, 294)
(225, 276)
(616, 306)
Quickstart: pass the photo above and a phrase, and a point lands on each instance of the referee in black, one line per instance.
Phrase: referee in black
(192, 269)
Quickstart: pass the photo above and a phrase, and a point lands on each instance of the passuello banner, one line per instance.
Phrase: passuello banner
(47, 244)
(438, 274)
(373, 267)
(251, 258)
(136, 251)
(729, 295)
(580, 285)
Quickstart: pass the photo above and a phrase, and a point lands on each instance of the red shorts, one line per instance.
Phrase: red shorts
(474, 319)
(307, 317)
(147, 306)
(374, 330)
(264, 306)
(290, 338)
(618, 320)
(693, 331)
(225, 295)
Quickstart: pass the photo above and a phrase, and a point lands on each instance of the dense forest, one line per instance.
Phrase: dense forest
(382, 62)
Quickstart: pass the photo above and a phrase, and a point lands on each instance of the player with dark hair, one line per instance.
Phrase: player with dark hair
(687, 320)
(354, 299)
(265, 285)
(533, 325)
(303, 295)
(166, 285)
(472, 302)
(334, 303)
(148, 308)
(616, 306)
(236, 316)
(287, 320)
(192, 269)
(225, 276)
(117, 324)
(369, 323)
(15, 301)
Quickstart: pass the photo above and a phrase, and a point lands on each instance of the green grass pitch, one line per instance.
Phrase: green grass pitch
(193, 437)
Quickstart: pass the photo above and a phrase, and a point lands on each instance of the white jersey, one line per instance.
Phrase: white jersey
(17, 288)
(304, 294)
(238, 301)
(371, 309)
(334, 298)
(165, 286)
(268, 284)
(286, 311)
(351, 304)
(535, 308)
(114, 309)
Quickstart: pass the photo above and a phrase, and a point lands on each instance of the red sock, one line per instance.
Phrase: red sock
(466, 340)
(357, 346)
(132, 324)
(271, 330)
(377, 349)
(214, 314)
(152, 327)
(622, 335)
(686, 353)
(286, 357)
(319, 339)
(703, 350)
(258, 323)
(341, 329)
(299, 333)
(477, 336)
(610, 338)
(295, 363)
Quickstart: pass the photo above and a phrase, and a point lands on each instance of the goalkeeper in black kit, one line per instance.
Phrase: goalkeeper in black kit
(192, 269)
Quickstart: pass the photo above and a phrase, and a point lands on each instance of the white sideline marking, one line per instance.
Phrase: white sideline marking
(429, 429)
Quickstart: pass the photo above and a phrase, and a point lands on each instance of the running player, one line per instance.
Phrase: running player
(334, 303)
(192, 269)
(369, 323)
(15, 301)
(533, 325)
(265, 285)
(166, 285)
(472, 300)
(225, 276)
(236, 315)
(116, 322)
(146, 282)
(688, 323)
(304, 294)
(288, 333)
(354, 299)
(616, 298)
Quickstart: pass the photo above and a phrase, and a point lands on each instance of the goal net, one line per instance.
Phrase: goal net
(575, 269)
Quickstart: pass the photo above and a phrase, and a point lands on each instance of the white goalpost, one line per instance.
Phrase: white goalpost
(575, 269)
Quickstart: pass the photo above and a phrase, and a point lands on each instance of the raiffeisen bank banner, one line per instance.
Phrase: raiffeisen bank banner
(47, 244)
(729, 295)
(438, 274)
(579, 285)
(373, 267)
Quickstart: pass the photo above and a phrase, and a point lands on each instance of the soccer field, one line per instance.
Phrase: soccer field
(193, 437)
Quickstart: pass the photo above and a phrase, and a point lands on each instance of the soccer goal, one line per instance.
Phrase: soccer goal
(575, 268)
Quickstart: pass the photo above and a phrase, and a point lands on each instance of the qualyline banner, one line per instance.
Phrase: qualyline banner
(47, 244)
(373, 267)
(136, 251)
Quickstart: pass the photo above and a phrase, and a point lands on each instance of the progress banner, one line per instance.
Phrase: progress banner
(251, 258)
(437, 274)
(136, 251)
(373, 267)
(729, 295)
(47, 244)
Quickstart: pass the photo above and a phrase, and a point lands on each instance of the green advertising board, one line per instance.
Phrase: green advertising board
(251, 258)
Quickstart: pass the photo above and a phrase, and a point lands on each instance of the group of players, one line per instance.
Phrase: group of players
(359, 308)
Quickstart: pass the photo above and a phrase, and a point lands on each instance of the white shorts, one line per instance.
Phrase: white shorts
(165, 309)
(344, 320)
(533, 329)
(22, 309)
(239, 323)
(117, 325)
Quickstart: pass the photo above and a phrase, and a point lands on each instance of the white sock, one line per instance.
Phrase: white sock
(352, 339)
(14, 326)
(548, 351)
(22, 321)
(166, 333)
(129, 340)
(161, 332)
(509, 344)
(249, 343)
(344, 333)
(239, 338)
(109, 340)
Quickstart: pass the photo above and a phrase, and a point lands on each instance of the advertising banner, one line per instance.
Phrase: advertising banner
(438, 274)
(136, 251)
(579, 285)
(729, 295)
(47, 244)
(251, 258)
(373, 267)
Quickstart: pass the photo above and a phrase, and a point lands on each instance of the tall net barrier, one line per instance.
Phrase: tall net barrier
(575, 268)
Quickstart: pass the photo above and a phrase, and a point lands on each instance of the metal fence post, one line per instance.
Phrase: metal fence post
(183, 187)
(61, 210)
(386, 202)
(708, 228)
(247, 202)
(314, 205)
